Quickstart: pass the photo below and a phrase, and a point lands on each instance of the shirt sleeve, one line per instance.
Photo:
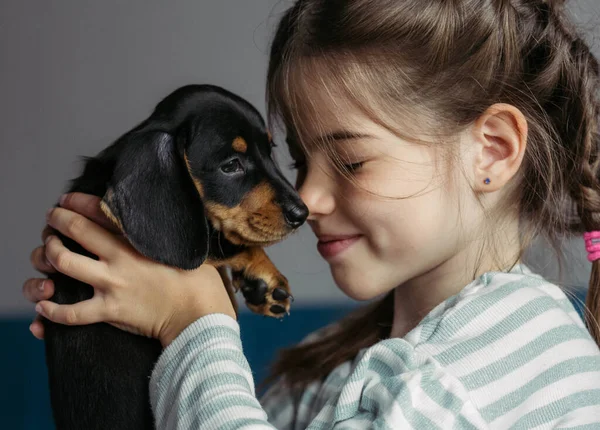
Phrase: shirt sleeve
(203, 380)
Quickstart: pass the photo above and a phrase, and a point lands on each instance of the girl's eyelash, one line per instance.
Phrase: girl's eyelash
(350, 167)
(354, 166)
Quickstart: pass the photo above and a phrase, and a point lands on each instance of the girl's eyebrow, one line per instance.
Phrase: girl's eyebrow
(343, 135)
(335, 136)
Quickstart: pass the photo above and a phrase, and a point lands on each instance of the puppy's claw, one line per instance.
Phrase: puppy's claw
(277, 309)
(280, 294)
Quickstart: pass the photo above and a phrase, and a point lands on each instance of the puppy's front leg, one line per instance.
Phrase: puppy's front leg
(265, 289)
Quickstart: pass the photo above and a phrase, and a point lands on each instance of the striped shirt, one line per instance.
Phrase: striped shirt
(508, 351)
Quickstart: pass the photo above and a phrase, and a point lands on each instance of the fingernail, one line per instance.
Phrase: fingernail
(49, 212)
(62, 199)
(38, 308)
(46, 241)
(41, 286)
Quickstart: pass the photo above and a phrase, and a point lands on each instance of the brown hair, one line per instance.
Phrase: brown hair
(452, 59)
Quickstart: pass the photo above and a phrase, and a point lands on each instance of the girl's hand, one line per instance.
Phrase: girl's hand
(36, 289)
(130, 291)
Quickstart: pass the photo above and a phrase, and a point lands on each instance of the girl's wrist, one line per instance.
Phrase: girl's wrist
(184, 319)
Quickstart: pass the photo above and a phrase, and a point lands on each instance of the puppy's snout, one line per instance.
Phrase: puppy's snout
(295, 215)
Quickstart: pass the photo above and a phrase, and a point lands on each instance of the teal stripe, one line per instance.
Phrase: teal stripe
(463, 424)
(554, 374)
(220, 379)
(447, 400)
(201, 361)
(213, 407)
(458, 317)
(444, 398)
(558, 408)
(585, 426)
(499, 330)
(381, 368)
(523, 355)
(192, 346)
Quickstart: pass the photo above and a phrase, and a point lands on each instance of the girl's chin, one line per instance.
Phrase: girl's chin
(356, 287)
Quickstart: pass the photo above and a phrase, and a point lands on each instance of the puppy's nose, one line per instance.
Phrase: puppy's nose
(296, 215)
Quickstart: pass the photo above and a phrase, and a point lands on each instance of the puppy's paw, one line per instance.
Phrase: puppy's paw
(265, 297)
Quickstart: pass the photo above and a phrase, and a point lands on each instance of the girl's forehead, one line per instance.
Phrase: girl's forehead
(320, 115)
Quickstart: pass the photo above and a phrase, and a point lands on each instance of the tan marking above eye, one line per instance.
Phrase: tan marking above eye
(239, 145)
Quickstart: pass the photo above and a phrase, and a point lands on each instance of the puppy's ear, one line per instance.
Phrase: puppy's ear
(152, 199)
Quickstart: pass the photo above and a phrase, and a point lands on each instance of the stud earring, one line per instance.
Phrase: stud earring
(487, 181)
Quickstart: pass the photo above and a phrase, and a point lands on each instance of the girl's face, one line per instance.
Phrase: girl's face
(397, 221)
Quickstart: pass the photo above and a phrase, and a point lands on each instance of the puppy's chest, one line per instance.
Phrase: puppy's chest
(219, 248)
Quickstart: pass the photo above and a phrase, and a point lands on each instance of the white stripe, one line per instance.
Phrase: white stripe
(551, 393)
(469, 410)
(498, 311)
(486, 320)
(394, 417)
(439, 415)
(553, 291)
(510, 343)
(521, 376)
(578, 417)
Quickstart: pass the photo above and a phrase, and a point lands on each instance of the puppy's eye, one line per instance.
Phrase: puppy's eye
(233, 166)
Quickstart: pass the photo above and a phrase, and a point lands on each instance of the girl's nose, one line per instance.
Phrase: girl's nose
(317, 193)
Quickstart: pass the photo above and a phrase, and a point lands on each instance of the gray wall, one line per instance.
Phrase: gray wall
(76, 74)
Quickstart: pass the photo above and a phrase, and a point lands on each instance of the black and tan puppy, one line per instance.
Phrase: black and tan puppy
(193, 183)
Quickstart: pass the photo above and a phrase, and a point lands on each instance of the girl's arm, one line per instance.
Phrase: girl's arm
(203, 380)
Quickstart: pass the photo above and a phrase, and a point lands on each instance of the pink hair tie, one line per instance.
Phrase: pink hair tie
(592, 245)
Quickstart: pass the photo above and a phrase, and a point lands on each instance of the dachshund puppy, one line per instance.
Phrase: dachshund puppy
(193, 183)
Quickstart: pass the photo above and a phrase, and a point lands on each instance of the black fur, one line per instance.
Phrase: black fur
(98, 374)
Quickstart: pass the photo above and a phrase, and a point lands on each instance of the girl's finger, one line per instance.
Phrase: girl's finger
(47, 231)
(88, 206)
(82, 313)
(40, 262)
(75, 265)
(87, 233)
(37, 328)
(35, 289)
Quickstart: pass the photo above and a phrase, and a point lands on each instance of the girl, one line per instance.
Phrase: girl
(434, 140)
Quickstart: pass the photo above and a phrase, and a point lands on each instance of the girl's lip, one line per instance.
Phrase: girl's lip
(332, 238)
(330, 246)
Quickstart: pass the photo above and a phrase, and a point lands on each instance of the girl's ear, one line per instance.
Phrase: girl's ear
(500, 136)
(152, 199)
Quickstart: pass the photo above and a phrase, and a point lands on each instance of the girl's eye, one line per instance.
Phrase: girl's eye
(353, 166)
(233, 166)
